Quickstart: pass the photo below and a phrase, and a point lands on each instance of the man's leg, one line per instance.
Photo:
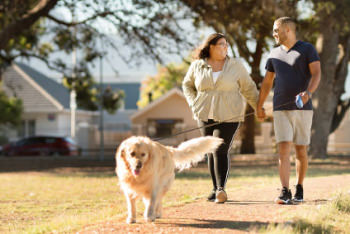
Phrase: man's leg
(284, 149)
(301, 163)
(284, 136)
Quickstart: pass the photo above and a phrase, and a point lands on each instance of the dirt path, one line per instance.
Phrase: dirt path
(247, 211)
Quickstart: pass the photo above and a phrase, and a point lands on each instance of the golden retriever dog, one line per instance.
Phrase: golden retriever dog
(146, 169)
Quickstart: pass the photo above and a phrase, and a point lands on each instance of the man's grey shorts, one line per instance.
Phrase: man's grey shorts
(293, 126)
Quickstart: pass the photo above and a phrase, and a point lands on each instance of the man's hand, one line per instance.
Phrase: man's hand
(261, 115)
(304, 97)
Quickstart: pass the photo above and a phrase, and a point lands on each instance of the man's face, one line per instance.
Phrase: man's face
(279, 33)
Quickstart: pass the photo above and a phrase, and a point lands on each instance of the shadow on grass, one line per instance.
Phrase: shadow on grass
(200, 173)
(313, 171)
(221, 224)
(75, 167)
(246, 203)
(303, 226)
(300, 226)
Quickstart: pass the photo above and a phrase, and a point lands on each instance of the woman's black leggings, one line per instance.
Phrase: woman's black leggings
(219, 162)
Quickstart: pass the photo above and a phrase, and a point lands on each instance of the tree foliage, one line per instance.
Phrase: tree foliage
(248, 27)
(10, 109)
(167, 78)
(42, 28)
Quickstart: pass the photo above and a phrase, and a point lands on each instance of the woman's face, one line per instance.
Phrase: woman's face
(219, 50)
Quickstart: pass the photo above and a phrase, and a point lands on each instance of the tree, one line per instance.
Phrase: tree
(11, 110)
(334, 48)
(40, 28)
(248, 27)
(168, 77)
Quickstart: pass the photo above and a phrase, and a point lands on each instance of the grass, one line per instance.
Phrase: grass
(332, 217)
(61, 201)
(67, 199)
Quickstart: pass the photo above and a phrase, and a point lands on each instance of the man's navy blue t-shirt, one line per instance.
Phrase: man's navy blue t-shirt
(292, 74)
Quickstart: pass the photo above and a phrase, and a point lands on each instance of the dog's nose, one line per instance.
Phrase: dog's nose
(139, 165)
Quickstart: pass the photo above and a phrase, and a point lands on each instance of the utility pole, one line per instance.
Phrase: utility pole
(101, 107)
(73, 95)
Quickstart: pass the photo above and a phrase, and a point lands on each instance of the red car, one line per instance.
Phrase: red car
(43, 146)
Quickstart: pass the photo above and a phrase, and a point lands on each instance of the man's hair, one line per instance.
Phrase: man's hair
(292, 24)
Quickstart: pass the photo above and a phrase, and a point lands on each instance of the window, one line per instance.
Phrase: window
(31, 128)
(27, 128)
(21, 129)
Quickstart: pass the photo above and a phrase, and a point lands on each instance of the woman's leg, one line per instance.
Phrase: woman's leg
(221, 157)
(209, 132)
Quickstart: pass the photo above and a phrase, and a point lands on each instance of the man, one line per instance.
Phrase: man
(295, 67)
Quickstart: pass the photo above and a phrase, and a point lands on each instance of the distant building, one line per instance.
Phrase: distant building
(165, 116)
(47, 109)
(46, 103)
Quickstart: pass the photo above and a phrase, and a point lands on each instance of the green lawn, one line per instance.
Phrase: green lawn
(66, 199)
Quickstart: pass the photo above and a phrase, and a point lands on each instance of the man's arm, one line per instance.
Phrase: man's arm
(264, 92)
(315, 70)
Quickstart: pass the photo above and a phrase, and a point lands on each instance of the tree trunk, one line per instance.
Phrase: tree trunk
(14, 29)
(325, 100)
(248, 128)
(247, 132)
(342, 72)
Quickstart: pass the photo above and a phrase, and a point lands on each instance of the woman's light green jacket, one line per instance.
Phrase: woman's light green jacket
(232, 85)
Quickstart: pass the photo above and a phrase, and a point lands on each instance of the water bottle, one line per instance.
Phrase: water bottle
(299, 101)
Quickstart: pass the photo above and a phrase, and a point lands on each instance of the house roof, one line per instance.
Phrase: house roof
(166, 96)
(62, 95)
(55, 89)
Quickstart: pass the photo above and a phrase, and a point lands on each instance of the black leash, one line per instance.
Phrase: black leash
(210, 125)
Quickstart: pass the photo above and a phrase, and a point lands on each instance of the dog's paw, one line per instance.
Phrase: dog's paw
(130, 220)
(150, 219)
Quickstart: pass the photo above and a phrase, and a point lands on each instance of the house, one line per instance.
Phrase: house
(165, 116)
(46, 103)
(47, 109)
(118, 126)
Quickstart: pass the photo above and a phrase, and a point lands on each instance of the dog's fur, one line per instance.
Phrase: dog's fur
(145, 168)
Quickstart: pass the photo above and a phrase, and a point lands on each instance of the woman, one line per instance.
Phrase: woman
(214, 86)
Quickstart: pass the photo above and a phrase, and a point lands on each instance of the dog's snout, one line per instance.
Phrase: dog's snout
(138, 165)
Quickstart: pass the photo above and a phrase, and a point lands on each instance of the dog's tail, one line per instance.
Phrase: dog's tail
(192, 151)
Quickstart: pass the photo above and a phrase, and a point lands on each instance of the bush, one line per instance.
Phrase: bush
(3, 140)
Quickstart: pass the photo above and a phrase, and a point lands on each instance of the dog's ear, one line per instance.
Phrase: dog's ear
(120, 152)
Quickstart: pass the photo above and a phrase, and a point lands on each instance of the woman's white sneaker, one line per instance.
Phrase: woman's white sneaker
(220, 196)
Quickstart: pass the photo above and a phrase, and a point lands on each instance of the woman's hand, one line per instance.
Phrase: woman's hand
(260, 112)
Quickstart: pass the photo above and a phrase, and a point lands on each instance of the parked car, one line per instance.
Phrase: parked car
(41, 145)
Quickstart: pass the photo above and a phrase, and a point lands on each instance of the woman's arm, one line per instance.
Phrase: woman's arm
(247, 87)
(188, 85)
